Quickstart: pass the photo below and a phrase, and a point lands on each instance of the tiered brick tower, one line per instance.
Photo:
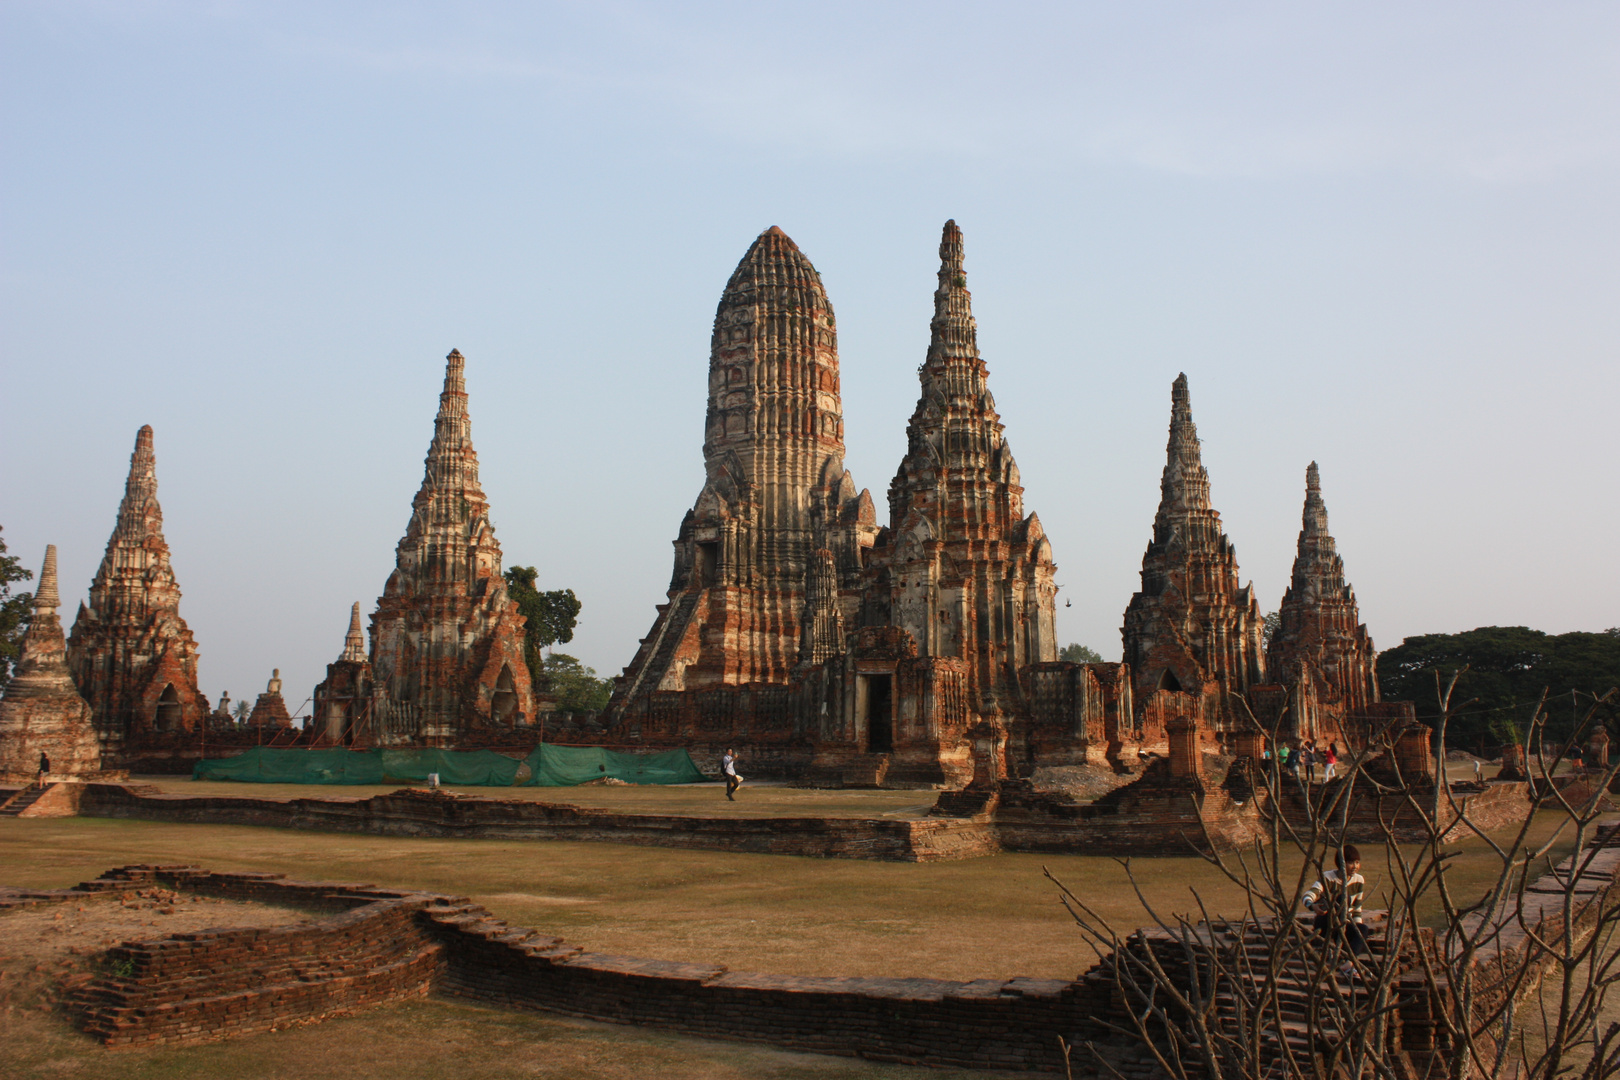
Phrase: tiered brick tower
(1192, 628)
(447, 640)
(1320, 625)
(963, 570)
(775, 490)
(42, 711)
(130, 652)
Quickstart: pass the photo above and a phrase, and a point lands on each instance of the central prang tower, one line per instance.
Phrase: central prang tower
(775, 490)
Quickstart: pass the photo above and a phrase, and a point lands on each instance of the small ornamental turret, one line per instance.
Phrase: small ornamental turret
(354, 645)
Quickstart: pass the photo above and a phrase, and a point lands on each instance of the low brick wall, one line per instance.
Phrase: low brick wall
(383, 945)
(417, 812)
(983, 1023)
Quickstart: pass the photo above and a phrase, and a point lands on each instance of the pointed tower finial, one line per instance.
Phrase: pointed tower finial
(954, 334)
(46, 597)
(142, 481)
(1315, 521)
(354, 644)
(1185, 484)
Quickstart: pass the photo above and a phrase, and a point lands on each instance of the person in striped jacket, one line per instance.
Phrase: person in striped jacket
(1335, 897)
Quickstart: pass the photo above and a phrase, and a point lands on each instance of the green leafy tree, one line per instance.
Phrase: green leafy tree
(14, 612)
(578, 689)
(1508, 667)
(1076, 653)
(551, 617)
(1273, 619)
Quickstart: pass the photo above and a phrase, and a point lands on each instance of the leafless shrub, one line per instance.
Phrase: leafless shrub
(1500, 971)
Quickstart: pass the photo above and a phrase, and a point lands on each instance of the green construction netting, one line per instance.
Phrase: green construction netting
(565, 766)
(547, 766)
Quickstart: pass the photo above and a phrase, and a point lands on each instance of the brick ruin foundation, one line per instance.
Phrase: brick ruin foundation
(378, 945)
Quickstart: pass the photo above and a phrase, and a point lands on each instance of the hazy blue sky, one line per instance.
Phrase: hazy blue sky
(1383, 236)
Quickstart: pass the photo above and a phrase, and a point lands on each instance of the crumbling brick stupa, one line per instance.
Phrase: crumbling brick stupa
(131, 654)
(1321, 650)
(1193, 635)
(446, 639)
(42, 712)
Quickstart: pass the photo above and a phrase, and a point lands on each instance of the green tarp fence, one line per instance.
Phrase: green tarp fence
(547, 766)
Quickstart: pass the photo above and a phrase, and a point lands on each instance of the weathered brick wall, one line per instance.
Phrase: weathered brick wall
(419, 813)
(1373, 816)
(210, 984)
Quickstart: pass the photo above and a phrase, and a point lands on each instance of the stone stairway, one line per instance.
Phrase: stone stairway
(671, 631)
(22, 800)
(1289, 1006)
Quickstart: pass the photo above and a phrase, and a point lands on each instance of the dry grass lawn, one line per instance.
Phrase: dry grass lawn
(706, 800)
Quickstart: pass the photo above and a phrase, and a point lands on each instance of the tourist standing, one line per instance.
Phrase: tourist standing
(1307, 755)
(1330, 762)
(728, 766)
(1335, 897)
(44, 767)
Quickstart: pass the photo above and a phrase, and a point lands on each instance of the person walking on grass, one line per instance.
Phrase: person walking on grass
(728, 766)
(1335, 898)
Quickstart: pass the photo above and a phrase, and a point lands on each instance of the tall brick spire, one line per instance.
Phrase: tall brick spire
(775, 488)
(960, 544)
(1193, 621)
(1319, 622)
(445, 629)
(42, 711)
(131, 653)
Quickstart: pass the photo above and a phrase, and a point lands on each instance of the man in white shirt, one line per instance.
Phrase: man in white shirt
(728, 766)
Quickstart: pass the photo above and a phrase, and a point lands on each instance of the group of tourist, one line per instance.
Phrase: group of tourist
(1289, 760)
